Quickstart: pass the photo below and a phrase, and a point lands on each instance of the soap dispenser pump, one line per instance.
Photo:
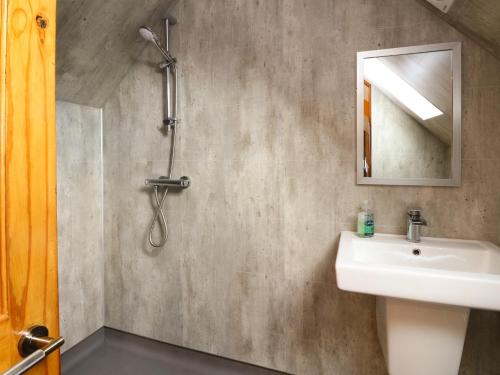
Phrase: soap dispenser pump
(366, 224)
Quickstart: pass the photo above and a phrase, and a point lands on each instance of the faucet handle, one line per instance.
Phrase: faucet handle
(415, 212)
(419, 221)
(415, 216)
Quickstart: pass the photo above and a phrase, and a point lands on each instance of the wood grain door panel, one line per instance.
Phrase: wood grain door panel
(28, 243)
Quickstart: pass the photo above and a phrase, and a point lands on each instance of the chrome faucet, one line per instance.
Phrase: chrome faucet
(413, 224)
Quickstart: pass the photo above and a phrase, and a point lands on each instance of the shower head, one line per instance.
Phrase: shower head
(148, 34)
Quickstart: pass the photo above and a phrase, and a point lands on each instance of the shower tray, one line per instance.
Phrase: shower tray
(109, 351)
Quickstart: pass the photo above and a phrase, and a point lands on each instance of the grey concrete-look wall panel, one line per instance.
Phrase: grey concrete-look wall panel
(401, 146)
(267, 102)
(79, 216)
(97, 42)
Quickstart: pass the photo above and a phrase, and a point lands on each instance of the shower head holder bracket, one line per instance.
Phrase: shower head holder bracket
(171, 121)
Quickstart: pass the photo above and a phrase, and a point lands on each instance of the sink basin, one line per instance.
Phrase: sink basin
(454, 272)
(424, 294)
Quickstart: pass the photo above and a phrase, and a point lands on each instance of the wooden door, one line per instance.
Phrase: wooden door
(28, 236)
(367, 133)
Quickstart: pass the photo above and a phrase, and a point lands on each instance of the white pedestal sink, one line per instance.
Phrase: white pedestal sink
(424, 294)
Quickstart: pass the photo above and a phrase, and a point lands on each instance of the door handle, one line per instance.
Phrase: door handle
(34, 345)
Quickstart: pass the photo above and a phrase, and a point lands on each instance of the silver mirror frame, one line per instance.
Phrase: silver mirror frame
(456, 161)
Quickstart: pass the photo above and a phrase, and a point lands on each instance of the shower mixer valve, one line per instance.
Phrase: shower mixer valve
(182, 183)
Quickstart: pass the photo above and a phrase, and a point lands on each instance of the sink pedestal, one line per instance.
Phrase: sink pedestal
(419, 337)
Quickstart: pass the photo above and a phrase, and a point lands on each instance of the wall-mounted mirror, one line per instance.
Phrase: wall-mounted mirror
(409, 116)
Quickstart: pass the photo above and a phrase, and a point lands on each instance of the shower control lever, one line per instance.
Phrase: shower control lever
(182, 183)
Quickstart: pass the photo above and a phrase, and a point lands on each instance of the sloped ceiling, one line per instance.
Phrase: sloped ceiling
(479, 19)
(97, 42)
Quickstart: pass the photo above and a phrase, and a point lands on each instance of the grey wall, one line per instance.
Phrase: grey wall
(401, 146)
(79, 215)
(267, 135)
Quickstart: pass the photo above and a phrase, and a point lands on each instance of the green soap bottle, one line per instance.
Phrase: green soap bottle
(366, 223)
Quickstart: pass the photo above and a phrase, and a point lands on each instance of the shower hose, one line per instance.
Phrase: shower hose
(159, 215)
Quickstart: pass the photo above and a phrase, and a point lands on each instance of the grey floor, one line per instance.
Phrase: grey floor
(113, 352)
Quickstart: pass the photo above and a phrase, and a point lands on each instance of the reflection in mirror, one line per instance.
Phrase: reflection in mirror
(407, 116)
